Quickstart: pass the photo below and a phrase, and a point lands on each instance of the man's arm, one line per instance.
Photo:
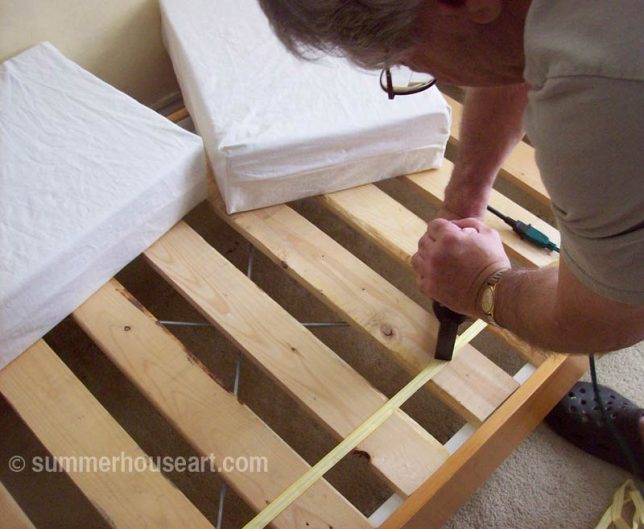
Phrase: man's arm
(552, 309)
(492, 125)
(548, 307)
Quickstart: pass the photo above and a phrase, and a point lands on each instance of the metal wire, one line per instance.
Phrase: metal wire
(315, 324)
(249, 273)
(326, 324)
(224, 487)
(186, 323)
(222, 498)
(251, 259)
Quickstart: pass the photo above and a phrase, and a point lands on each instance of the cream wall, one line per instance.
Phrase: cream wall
(118, 40)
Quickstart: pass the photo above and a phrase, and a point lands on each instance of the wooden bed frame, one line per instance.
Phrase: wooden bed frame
(432, 479)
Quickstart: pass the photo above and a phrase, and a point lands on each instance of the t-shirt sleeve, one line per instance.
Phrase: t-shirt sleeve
(589, 137)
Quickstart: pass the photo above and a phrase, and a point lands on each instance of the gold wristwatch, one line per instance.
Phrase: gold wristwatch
(486, 295)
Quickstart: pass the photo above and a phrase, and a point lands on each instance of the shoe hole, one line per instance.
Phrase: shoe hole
(571, 395)
(582, 390)
(583, 402)
(573, 409)
(611, 397)
(613, 416)
(595, 408)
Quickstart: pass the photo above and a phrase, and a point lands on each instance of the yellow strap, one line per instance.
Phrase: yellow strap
(624, 496)
(292, 493)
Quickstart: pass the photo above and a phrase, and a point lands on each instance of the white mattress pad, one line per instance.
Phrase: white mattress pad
(89, 178)
(277, 128)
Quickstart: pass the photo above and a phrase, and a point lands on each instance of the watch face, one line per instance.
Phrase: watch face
(487, 300)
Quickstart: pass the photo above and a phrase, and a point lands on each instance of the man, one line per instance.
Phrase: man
(574, 70)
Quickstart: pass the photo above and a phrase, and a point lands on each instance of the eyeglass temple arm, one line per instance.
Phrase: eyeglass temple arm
(390, 84)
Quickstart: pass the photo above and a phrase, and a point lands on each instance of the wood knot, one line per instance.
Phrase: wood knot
(361, 454)
(387, 330)
(127, 328)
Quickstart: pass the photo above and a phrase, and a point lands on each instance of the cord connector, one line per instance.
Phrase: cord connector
(534, 236)
(527, 231)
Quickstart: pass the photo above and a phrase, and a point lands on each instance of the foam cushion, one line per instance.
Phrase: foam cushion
(89, 178)
(276, 128)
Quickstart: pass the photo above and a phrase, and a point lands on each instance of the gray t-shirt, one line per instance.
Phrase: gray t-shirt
(585, 117)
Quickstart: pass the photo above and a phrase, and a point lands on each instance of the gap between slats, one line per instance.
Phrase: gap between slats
(320, 380)
(71, 423)
(210, 418)
(470, 384)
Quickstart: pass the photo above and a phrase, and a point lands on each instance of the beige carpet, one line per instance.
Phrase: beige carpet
(549, 484)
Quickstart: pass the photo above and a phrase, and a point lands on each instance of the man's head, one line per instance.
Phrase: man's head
(465, 42)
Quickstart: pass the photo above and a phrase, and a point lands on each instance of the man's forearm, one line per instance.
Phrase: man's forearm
(526, 303)
(492, 125)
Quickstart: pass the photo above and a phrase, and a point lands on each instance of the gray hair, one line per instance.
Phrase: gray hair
(370, 33)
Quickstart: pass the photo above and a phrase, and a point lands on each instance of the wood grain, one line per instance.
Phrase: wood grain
(70, 422)
(396, 230)
(11, 515)
(319, 379)
(470, 384)
(210, 418)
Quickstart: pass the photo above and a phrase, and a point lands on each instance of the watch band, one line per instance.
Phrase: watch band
(490, 284)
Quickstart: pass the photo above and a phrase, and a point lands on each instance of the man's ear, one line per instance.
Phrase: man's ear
(483, 11)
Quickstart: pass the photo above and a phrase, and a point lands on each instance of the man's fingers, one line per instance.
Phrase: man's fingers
(416, 262)
(470, 222)
(438, 227)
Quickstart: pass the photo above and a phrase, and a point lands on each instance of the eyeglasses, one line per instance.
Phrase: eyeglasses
(401, 81)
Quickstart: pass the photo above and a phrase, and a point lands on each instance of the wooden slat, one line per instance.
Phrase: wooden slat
(179, 115)
(211, 419)
(326, 385)
(433, 184)
(520, 168)
(11, 515)
(70, 422)
(471, 384)
(466, 470)
(398, 229)
(382, 219)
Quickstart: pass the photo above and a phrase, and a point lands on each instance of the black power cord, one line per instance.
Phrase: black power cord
(628, 454)
(526, 231)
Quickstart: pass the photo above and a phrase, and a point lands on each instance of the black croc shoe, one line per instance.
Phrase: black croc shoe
(578, 419)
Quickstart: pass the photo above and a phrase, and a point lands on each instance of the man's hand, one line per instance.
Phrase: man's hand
(454, 259)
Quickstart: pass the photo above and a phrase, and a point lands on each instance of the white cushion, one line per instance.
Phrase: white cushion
(277, 128)
(89, 178)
